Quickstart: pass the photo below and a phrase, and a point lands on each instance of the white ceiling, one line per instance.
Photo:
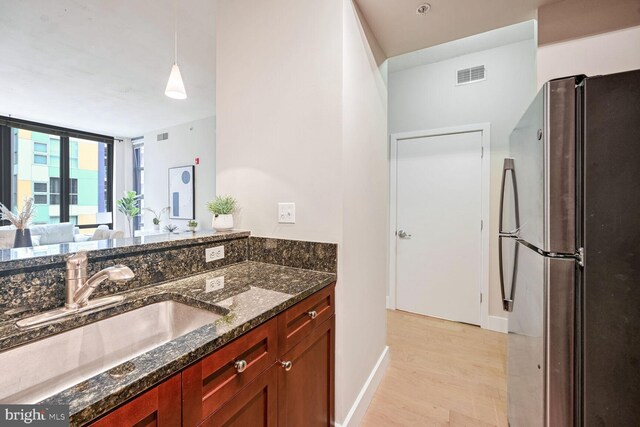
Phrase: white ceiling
(399, 29)
(489, 40)
(102, 65)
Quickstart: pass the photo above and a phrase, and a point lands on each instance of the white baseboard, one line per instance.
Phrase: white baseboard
(498, 324)
(359, 408)
(391, 304)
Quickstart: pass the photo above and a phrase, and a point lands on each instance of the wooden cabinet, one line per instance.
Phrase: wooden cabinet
(297, 322)
(279, 373)
(209, 383)
(159, 406)
(306, 389)
(256, 405)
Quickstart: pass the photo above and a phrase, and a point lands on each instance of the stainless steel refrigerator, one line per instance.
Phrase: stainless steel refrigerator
(569, 249)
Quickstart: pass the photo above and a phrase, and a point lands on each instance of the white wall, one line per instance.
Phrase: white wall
(122, 178)
(186, 142)
(601, 54)
(301, 118)
(426, 97)
(361, 294)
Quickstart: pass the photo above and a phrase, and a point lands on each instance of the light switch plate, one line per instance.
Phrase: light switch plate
(214, 254)
(286, 213)
(214, 284)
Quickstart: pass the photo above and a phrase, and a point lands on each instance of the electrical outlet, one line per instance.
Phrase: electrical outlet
(286, 213)
(214, 284)
(214, 254)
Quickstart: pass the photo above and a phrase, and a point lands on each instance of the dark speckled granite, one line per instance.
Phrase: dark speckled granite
(253, 293)
(295, 253)
(38, 287)
(24, 258)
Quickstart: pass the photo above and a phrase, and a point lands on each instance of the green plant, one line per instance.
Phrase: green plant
(170, 228)
(129, 206)
(222, 205)
(192, 223)
(22, 220)
(157, 215)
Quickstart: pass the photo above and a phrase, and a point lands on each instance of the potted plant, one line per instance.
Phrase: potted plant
(129, 206)
(157, 216)
(21, 222)
(192, 224)
(222, 208)
(170, 228)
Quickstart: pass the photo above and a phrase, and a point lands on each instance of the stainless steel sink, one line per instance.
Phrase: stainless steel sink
(37, 370)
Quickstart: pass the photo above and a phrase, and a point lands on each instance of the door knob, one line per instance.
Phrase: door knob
(403, 234)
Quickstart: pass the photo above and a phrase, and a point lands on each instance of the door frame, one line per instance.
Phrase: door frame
(485, 129)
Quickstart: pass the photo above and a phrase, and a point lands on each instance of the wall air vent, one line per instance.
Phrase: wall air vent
(163, 136)
(471, 75)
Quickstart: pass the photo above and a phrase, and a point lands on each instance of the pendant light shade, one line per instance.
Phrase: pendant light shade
(175, 85)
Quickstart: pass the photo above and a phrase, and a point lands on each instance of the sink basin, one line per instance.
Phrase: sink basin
(35, 371)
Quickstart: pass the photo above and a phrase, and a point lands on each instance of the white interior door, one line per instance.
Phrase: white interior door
(439, 208)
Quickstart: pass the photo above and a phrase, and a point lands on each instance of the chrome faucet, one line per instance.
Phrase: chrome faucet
(79, 288)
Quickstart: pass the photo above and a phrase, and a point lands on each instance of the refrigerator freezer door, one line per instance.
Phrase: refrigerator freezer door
(540, 342)
(542, 149)
(611, 288)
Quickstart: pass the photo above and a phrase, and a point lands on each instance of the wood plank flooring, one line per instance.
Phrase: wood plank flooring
(441, 373)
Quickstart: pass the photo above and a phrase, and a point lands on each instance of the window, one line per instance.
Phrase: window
(40, 193)
(138, 181)
(54, 191)
(68, 173)
(73, 192)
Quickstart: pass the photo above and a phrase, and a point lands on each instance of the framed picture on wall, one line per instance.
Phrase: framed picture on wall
(182, 197)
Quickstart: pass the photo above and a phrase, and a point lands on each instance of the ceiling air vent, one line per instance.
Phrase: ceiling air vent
(471, 75)
(163, 136)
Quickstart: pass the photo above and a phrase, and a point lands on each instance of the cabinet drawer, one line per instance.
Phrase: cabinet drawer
(255, 406)
(298, 321)
(159, 407)
(212, 381)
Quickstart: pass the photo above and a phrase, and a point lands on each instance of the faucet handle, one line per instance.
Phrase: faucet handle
(77, 260)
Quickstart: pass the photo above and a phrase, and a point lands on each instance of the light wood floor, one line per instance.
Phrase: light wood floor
(440, 373)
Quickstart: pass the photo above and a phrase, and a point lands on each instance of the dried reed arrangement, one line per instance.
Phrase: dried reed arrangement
(22, 220)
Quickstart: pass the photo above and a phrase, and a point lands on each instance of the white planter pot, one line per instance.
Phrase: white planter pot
(156, 227)
(192, 229)
(222, 222)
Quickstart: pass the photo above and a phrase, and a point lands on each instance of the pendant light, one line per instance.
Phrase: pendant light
(175, 85)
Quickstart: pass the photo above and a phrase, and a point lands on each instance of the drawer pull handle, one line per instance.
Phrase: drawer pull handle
(287, 365)
(313, 314)
(240, 365)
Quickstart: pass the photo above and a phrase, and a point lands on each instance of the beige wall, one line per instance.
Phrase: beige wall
(278, 98)
(301, 117)
(601, 54)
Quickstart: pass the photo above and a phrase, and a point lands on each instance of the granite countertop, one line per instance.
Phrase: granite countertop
(51, 254)
(253, 293)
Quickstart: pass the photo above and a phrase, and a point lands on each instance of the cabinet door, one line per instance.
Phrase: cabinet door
(209, 383)
(255, 405)
(298, 321)
(306, 390)
(159, 407)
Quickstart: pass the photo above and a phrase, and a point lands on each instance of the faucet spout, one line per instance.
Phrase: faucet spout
(79, 288)
(118, 273)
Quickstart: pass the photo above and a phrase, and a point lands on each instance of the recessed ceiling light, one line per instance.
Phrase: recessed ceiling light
(423, 9)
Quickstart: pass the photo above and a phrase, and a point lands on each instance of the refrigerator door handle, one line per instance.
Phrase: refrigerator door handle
(507, 302)
(510, 168)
